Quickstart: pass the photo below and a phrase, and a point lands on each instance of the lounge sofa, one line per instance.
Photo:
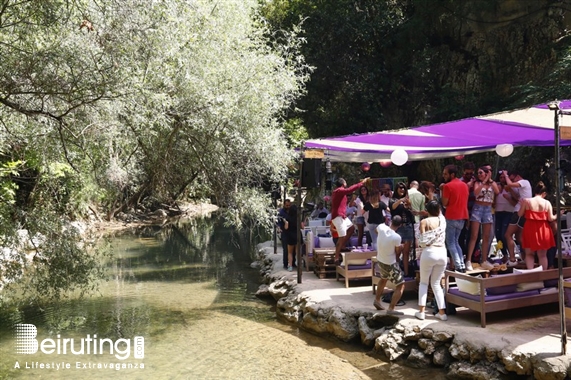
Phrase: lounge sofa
(355, 265)
(503, 292)
(319, 252)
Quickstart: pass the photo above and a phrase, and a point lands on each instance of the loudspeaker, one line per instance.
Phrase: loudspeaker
(311, 172)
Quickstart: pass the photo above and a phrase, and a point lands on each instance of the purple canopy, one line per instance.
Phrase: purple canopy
(532, 126)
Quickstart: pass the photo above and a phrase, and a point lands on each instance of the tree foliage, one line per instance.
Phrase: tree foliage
(393, 64)
(131, 104)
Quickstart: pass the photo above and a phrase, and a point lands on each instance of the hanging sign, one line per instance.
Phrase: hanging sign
(314, 153)
(565, 133)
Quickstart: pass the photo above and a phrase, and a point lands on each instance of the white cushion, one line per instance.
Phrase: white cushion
(326, 242)
(525, 286)
(468, 286)
(356, 261)
(521, 271)
(353, 261)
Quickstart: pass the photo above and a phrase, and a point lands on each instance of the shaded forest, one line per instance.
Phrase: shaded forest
(383, 65)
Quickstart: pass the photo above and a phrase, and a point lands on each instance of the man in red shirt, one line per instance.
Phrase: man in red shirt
(455, 200)
(339, 218)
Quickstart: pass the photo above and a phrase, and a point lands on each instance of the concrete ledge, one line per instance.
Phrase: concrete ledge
(526, 341)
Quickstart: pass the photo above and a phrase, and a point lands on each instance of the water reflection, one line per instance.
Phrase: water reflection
(188, 290)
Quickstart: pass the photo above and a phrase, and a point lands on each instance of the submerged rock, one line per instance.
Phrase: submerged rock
(418, 359)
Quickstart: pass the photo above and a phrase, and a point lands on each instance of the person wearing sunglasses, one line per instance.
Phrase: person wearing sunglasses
(400, 205)
(485, 190)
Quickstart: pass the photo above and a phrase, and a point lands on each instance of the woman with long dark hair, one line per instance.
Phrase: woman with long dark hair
(400, 205)
(360, 220)
(433, 259)
(504, 209)
(375, 208)
(485, 190)
(292, 233)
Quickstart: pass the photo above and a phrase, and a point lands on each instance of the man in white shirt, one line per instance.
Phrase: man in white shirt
(389, 249)
(519, 189)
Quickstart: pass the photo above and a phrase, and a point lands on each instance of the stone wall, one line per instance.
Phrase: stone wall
(410, 344)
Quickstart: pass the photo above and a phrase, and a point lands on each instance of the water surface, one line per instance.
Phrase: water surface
(188, 291)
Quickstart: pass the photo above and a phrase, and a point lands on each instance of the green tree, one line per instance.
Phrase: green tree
(139, 103)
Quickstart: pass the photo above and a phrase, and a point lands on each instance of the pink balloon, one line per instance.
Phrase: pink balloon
(385, 163)
(365, 166)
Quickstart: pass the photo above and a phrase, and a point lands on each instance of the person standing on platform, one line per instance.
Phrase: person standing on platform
(519, 189)
(389, 248)
(455, 200)
(468, 178)
(537, 235)
(486, 191)
(339, 219)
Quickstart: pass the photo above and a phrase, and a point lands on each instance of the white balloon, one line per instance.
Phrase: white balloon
(399, 157)
(504, 150)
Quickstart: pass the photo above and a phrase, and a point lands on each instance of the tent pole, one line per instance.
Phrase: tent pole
(557, 112)
(299, 214)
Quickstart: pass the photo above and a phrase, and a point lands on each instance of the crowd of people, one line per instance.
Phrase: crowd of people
(453, 225)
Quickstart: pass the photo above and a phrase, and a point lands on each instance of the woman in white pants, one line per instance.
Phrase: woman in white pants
(433, 259)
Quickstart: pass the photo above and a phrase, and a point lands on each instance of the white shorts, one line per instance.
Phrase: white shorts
(341, 225)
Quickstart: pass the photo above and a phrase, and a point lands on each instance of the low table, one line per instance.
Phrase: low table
(324, 262)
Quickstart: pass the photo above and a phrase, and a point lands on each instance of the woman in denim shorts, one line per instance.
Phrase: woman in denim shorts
(485, 190)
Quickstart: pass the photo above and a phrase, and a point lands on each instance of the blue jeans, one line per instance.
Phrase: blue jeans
(373, 232)
(453, 229)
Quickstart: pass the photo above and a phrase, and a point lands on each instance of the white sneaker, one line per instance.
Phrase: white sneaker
(442, 317)
(512, 263)
(420, 315)
(487, 265)
(469, 266)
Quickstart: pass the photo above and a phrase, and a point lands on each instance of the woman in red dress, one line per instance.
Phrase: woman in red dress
(537, 235)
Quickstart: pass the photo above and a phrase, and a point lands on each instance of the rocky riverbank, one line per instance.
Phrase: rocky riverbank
(518, 345)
